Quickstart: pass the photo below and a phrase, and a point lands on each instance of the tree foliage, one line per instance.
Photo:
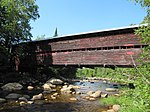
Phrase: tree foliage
(144, 31)
(15, 16)
(40, 37)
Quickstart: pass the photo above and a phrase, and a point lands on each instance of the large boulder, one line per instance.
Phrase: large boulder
(55, 81)
(12, 87)
(13, 96)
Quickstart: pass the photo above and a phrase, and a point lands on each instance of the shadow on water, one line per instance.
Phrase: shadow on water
(55, 107)
(50, 107)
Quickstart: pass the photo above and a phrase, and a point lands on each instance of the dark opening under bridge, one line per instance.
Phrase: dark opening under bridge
(111, 47)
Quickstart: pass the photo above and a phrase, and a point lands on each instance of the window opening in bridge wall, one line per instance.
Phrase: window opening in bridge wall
(129, 47)
(110, 48)
(126, 46)
(105, 48)
(99, 48)
(123, 47)
(142, 46)
(139, 46)
(116, 47)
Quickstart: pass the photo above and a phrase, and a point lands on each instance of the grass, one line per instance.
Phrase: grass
(127, 103)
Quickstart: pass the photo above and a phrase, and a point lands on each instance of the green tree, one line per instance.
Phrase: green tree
(56, 33)
(144, 31)
(40, 37)
(15, 16)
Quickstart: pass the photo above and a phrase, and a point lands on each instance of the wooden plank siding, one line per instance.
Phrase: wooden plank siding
(104, 41)
(114, 57)
(99, 57)
(113, 48)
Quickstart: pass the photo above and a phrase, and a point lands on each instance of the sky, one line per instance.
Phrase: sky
(77, 16)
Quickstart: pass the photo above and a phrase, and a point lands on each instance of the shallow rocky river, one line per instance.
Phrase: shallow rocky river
(77, 96)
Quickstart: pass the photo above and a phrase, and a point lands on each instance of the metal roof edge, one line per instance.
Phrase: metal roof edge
(97, 31)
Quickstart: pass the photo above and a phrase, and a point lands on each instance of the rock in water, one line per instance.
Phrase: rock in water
(90, 93)
(30, 102)
(46, 87)
(104, 95)
(92, 99)
(96, 94)
(13, 96)
(30, 87)
(2, 100)
(73, 99)
(111, 89)
(37, 97)
(53, 97)
(23, 99)
(12, 87)
(55, 81)
(67, 90)
(26, 96)
(22, 103)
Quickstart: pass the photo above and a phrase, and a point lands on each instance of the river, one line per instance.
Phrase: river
(63, 102)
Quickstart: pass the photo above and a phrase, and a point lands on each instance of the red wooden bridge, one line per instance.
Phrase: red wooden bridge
(111, 47)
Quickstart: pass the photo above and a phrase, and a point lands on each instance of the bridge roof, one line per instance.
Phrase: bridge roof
(93, 32)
